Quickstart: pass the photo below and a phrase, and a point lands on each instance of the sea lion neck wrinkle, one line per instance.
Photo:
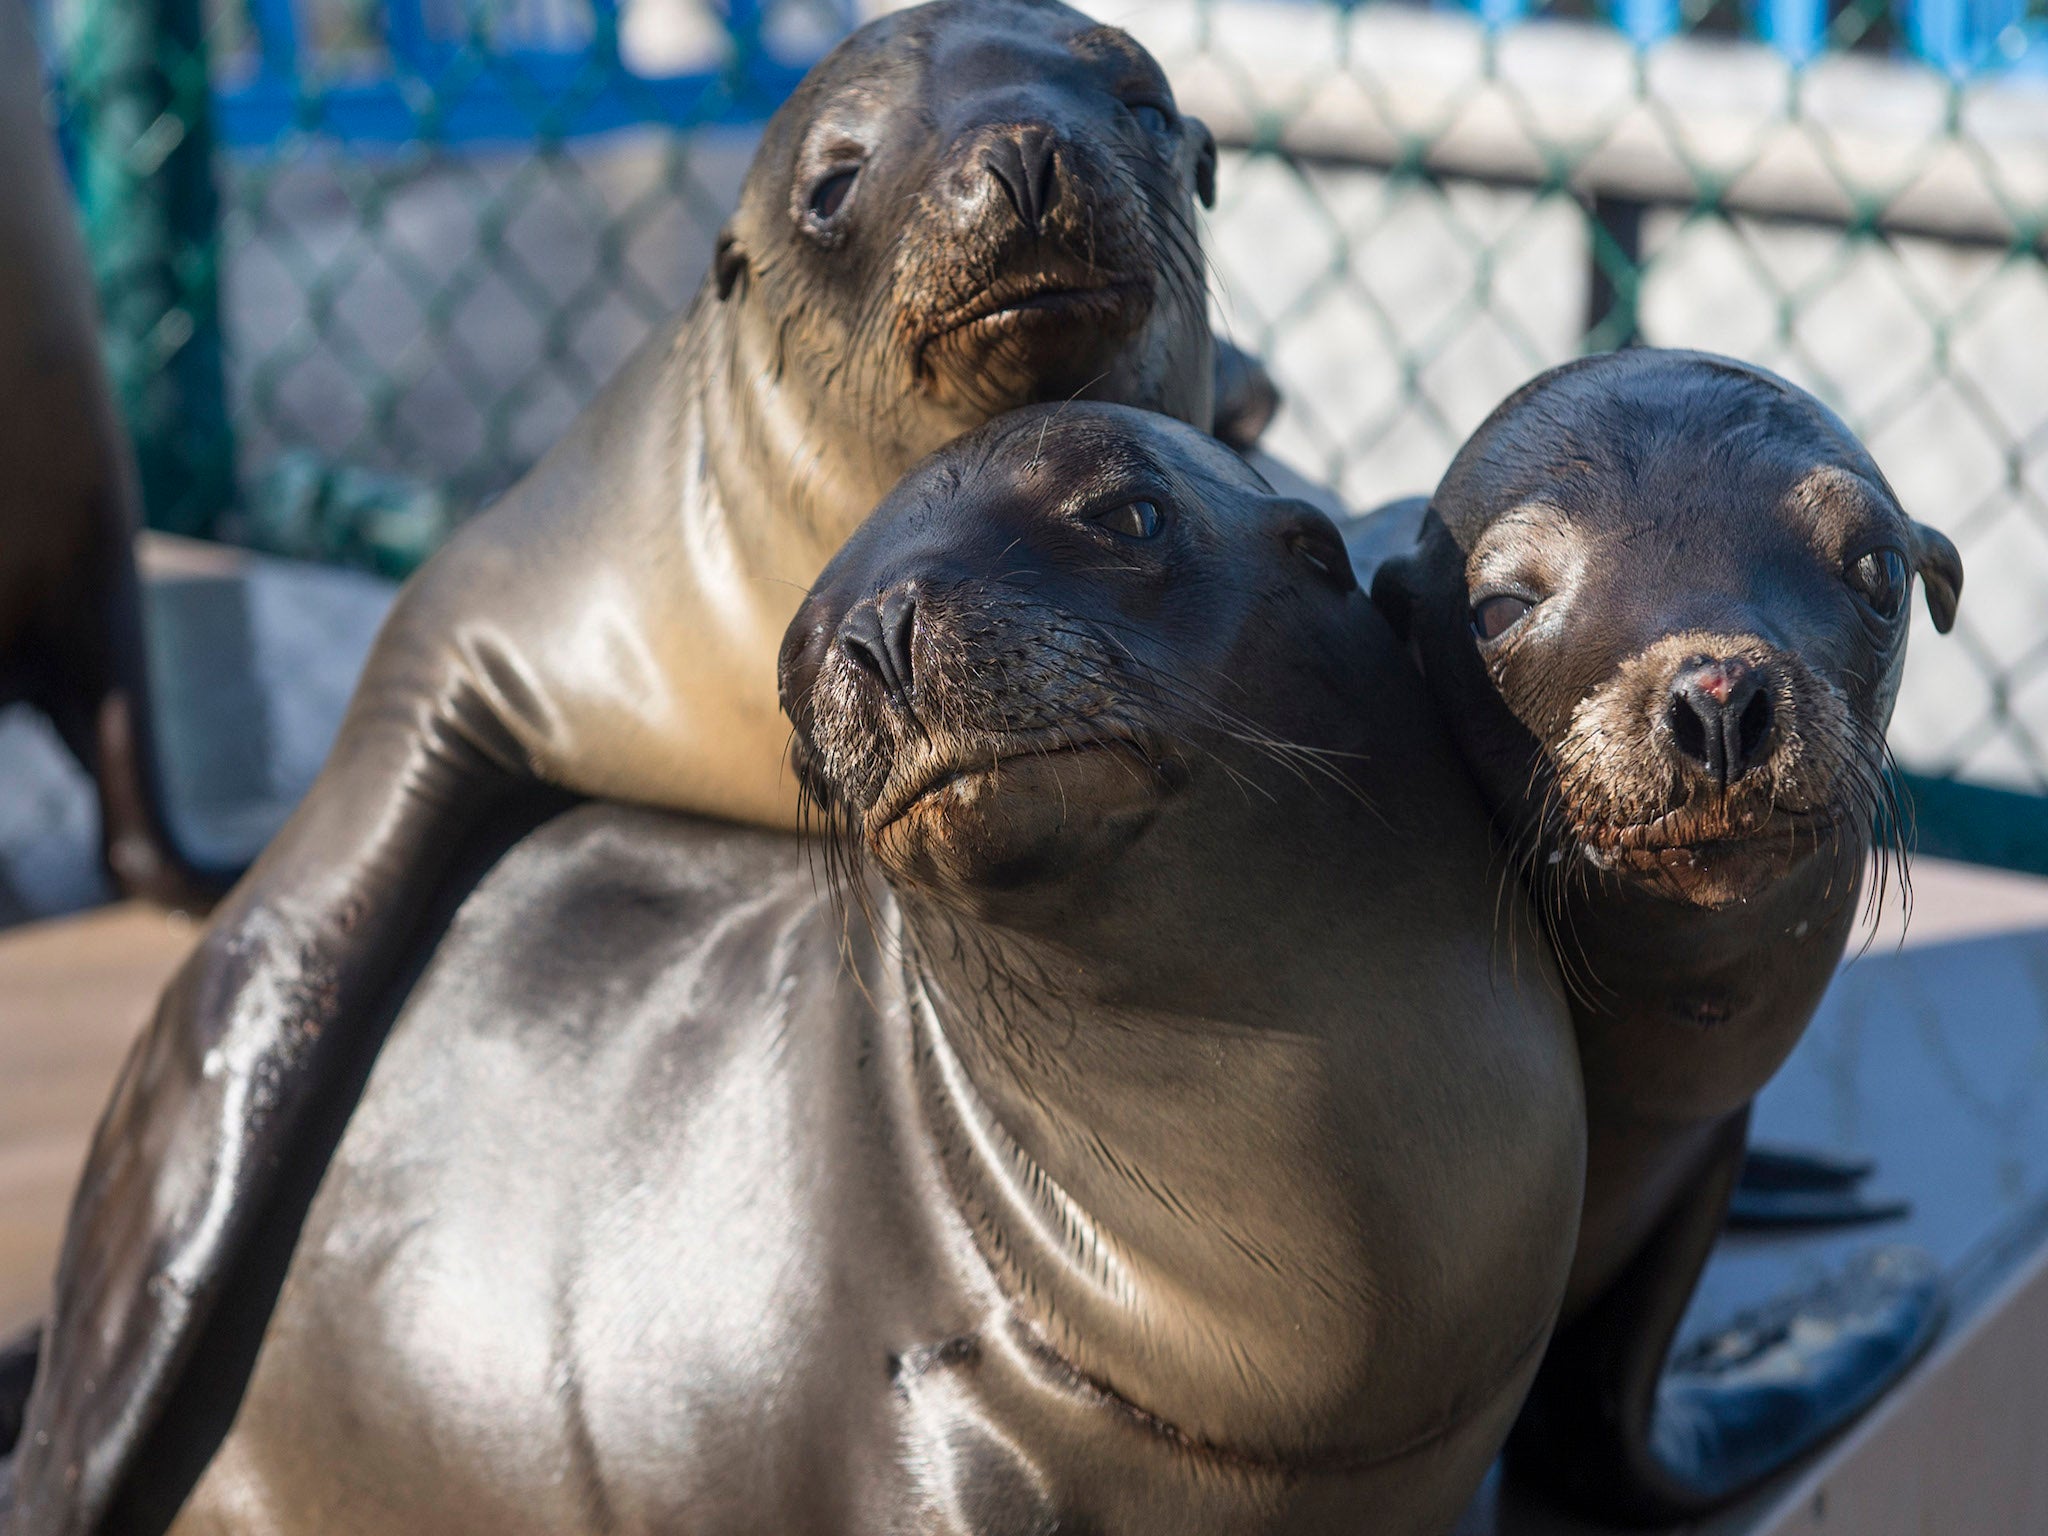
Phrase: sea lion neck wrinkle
(1060, 1107)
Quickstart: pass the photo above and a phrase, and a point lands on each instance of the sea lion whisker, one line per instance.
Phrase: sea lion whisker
(1307, 763)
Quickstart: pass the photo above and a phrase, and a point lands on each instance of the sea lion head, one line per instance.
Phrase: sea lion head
(1059, 635)
(1667, 595)
(973, 206)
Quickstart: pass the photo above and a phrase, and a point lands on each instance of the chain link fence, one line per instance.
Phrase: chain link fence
(357, 286)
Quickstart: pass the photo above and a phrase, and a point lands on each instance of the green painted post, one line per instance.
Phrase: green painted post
(140, 118)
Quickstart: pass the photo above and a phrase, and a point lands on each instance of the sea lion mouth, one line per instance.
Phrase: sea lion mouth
(1068, 310)
(1005, 302)
(1686, 829)
(1713, 859)
(982, 762)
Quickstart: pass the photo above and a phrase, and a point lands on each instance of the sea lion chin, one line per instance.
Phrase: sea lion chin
(1029, 815)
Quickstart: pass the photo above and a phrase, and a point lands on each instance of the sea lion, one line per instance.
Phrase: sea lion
(1117, 1160)
(963, 208)
(71, 639)
(1661, 600)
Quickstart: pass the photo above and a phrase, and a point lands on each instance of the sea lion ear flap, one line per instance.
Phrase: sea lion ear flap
(1314, 541)
(1398, 580)
(1940, 565)
(1246, 397)
(1393, 592)
(1205, 161)
(729, 262)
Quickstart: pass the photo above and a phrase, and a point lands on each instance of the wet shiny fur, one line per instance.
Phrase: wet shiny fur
(1134, 1130)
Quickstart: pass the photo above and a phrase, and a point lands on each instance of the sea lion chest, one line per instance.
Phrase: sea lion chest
(638, 1229)
(619, 1238)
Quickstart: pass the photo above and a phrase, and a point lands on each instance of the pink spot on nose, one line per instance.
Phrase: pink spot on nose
(1714, 682)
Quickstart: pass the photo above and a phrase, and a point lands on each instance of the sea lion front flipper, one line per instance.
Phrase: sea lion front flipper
(1246, 397)
(1739, 1403)
(260, 1027)
(1781, 1188)
(1615, 1433)
(1589, 1433)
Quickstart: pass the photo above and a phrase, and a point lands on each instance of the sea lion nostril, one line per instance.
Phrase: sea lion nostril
(876, 636)
(1754, 725)
(1025, 163)
(1720, 716)
(1688, 729)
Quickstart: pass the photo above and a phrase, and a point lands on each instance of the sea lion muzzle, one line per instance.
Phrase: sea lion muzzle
(1708, 761)
(969, 735)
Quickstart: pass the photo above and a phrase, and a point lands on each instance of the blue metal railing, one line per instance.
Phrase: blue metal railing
(451, 80)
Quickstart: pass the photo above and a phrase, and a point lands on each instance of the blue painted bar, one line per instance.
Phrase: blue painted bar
(276, 26)
(405, 34)
(1646, 21)
(1796, 28)
(508, 94)
(1935, 30)
(487, 109)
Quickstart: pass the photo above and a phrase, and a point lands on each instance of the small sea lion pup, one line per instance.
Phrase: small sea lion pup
(71, 639)
(963, 208)
(1661, 599)
(1117, 1161)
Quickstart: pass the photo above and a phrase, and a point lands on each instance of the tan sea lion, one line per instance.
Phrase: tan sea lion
(1662, 601)
(1160, 1144)
(963, 208)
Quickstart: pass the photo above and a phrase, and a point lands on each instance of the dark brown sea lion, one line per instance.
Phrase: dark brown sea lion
(1661, 599)
(70, 609)
(1159, 1145)
(963, 208)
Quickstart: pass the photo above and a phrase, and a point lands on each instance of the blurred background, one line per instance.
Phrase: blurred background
(362, 260)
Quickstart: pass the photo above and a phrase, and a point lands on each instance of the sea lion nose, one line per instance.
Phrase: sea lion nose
(1721, 716)
(876, 636)
(1024, 160)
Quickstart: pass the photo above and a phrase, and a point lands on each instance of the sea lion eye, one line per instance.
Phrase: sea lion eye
(1133, 520)
(1880, 579)
(1494, 616)
(1151, 116)
(829, 195)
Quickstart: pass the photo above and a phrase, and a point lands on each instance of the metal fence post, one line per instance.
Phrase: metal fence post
(1614, 228)
(140, 120)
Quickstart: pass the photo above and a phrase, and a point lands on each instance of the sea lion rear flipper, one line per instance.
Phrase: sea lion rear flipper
(1616, 1433)
(1781, 1188)
(263, 1024)
(1246, 397)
